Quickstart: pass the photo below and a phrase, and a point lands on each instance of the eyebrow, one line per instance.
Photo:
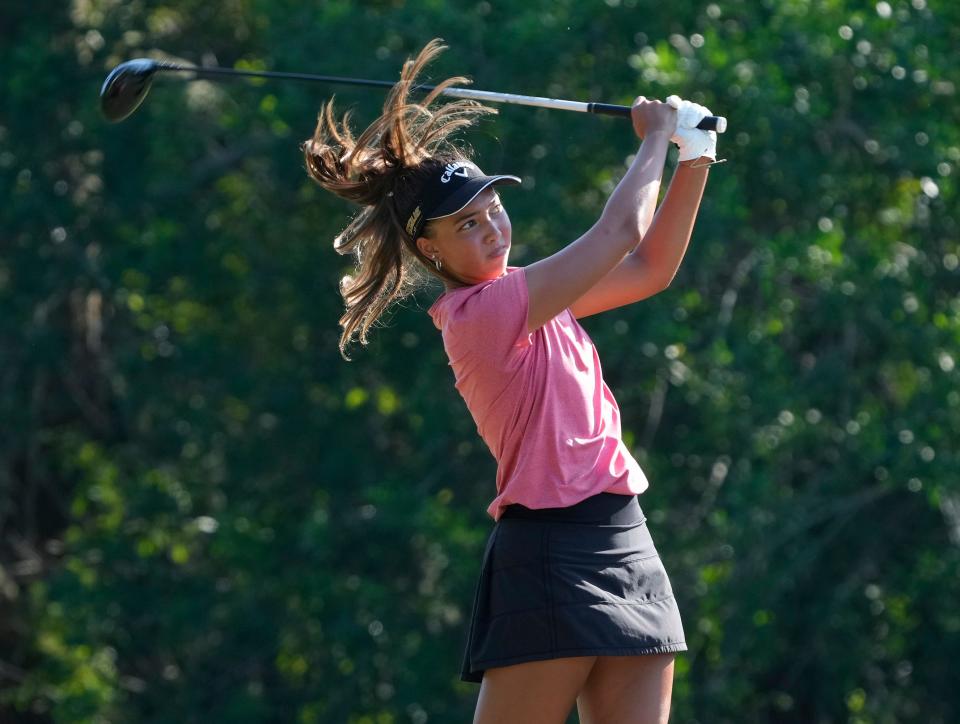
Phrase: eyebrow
(464, 217)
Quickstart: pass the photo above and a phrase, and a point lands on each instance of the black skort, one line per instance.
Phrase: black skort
(579, 581)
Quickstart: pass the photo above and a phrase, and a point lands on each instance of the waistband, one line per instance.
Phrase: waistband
(602, 509)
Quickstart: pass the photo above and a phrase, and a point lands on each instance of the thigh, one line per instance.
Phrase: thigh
(534, 692)
(633, 689)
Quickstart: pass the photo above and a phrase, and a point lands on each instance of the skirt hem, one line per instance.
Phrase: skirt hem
(476, 675)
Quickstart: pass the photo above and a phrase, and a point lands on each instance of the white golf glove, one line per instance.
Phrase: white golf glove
(692, 142)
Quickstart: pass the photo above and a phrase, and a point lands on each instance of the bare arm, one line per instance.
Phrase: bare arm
(665, 244)
(554, 283)
(650, 268)
(632, 204)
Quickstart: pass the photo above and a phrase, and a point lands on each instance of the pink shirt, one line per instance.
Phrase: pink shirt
(539, 400)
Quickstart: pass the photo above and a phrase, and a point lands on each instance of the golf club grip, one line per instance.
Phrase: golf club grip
(710, 123)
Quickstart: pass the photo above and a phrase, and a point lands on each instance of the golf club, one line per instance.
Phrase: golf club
(126, 86)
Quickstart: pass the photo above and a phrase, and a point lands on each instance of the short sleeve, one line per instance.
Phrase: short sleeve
(494, 318)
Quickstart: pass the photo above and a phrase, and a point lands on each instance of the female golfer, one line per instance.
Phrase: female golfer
(572, 603)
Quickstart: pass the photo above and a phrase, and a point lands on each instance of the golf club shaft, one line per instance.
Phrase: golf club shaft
(710, 123)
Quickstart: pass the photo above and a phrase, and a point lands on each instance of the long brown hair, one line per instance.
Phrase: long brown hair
(384, 171)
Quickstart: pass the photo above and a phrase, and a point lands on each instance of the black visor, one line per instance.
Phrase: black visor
(448, 191)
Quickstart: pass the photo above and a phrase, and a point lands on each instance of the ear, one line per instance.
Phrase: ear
(427, 247)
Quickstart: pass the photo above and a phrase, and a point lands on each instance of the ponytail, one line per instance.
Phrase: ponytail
(384, 171)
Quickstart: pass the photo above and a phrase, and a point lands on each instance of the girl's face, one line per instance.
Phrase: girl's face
(474, 243)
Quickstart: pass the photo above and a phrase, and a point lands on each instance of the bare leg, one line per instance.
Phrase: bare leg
(628, 690)
(534, 692)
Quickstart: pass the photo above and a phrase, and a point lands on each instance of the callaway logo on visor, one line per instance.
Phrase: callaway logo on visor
(454, 169)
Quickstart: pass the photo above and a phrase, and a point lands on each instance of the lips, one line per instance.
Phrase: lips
(499, 252)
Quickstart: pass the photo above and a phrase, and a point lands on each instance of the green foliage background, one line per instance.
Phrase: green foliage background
(207, 515)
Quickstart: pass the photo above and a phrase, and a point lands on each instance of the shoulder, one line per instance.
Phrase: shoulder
(488, 316)
(506, 290)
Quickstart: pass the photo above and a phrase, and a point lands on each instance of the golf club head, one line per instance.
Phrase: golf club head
(126, 87)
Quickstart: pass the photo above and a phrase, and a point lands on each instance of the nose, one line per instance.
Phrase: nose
(493, 229)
